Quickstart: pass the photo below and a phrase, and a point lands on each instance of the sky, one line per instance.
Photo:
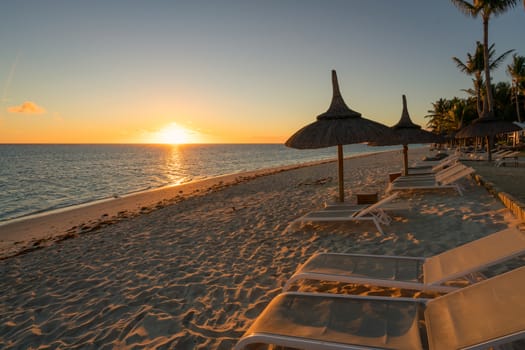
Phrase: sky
(227, 71)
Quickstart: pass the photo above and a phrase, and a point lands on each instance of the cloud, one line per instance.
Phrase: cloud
(27, 107)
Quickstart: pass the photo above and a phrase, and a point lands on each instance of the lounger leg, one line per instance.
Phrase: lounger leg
(458, 188)
(378, 226)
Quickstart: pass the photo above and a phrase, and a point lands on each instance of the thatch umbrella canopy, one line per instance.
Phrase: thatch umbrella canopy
(410, 133)
(339, 126)
(487, 126)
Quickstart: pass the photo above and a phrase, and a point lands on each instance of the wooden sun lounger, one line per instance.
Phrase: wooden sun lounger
(431, 184)
(484, 156)
(439, 176)
(421, 168)
(484, 315)
(508, 158)
(417, 273)
(372, 213)
(515, 162)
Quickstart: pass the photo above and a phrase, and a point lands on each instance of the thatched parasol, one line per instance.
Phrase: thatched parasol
(487, 126)
(409, 133)
(338, 126)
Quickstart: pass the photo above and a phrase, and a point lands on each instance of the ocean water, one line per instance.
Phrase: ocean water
(40, 178)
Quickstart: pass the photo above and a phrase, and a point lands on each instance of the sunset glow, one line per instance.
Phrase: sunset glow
(239, 72)
(174, 134)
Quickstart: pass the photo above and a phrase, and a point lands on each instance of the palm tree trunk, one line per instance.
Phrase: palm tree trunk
(489, 149)
(341, 173)
(488, 88)
(405, 160)
(523, 107)
(518, 104)
(479, 103)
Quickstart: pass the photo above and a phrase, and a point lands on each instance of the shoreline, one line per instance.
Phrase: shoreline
(163, 175)
(66, 208)
(28, 233)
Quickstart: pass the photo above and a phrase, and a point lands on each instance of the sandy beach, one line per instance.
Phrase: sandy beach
(192, 267)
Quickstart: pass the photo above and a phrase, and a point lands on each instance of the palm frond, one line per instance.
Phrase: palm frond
(495, 63)
(461, 66)
(497, 7)
(466, 7)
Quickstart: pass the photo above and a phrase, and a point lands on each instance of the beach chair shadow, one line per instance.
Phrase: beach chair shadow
(433, 274)
(489, 313)
(372, 213)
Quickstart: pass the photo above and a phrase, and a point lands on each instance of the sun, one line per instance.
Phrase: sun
(174, 134)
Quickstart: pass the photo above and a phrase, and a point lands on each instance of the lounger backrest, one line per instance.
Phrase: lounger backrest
(447, 161)
(375, 206)
(483, 313)
(450, 171)
(443, 176)
(502, 154)
(509, 155)
(474, 256)
(456, 176)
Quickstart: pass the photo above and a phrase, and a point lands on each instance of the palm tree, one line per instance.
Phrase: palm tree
(448, 116)
(485, 8)
(517, 72)
(502, 92)
(438, 115)
(474, 65)
(456, 113)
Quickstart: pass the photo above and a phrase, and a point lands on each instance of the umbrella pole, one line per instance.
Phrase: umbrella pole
(405, 159)
(341, 173)
(489, 151)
